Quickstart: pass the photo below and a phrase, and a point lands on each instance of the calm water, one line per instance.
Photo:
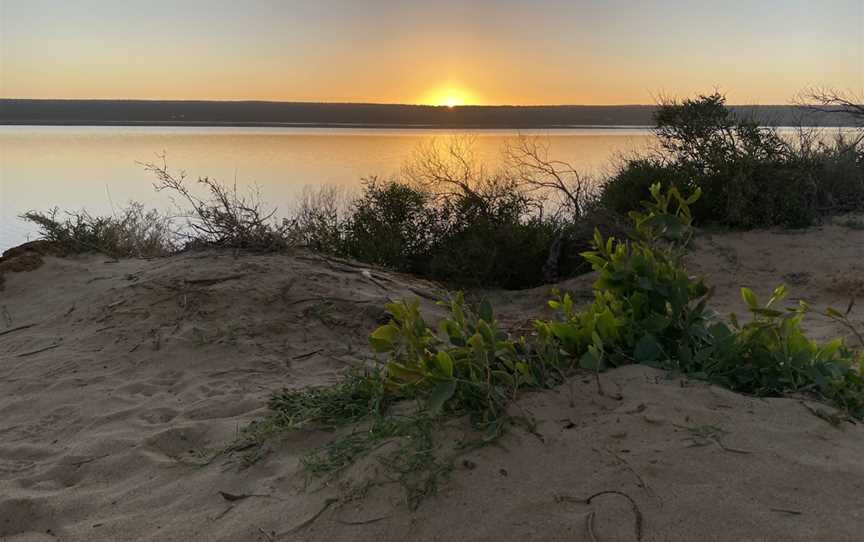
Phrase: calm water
(95, 167)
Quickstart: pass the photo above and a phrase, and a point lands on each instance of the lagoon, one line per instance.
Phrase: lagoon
(97, 168)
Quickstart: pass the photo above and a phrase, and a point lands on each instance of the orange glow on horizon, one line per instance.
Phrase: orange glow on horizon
(449, 96)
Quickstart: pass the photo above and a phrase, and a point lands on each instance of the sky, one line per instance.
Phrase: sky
(435, 52)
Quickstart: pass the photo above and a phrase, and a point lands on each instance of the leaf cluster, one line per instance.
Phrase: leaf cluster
(468, 364)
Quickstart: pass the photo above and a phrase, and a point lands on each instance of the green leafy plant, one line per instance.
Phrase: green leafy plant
(770, 355)
(468, 364)
(646, 309)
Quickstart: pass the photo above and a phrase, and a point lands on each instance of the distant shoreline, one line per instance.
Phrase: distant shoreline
(18, 112)
(356, 126)
(389, 126)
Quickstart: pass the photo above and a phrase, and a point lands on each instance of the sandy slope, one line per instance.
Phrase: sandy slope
(131, 369)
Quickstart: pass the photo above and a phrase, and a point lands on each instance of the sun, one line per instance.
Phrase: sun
(452, 101)
(449, 96)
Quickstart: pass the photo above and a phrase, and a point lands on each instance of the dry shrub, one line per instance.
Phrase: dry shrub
(224, 218)
(131, 232)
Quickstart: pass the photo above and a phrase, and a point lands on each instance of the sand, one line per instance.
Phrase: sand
(117, 378)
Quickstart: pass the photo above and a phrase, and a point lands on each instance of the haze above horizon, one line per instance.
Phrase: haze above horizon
(446, 53)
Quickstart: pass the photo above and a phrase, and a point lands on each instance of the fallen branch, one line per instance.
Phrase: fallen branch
(311, 520)
(233, 497)
(32, 352)
(19, 328)
(267, 535)
(589, 525)
(307, 354)
(88, 460)
(637, 513)
(642, 483)
(787, 511)
(216, 280)
(363, 522)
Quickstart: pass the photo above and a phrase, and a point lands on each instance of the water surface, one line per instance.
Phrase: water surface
(95, 168)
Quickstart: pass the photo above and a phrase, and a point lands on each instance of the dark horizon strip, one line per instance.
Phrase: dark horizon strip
(300, 114)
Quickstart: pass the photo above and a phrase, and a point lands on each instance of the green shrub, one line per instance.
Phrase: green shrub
(392, 224)
(467, 364)
(646, 308)
(770, 355)
(628, 187)
(475, 237)
(838, 169)
(452, 220)
(750, 175)
(488, 252)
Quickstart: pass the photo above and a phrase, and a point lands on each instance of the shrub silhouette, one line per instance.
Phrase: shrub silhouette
(751, 176)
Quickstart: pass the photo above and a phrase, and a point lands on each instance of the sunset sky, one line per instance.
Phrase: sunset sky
(439, 52)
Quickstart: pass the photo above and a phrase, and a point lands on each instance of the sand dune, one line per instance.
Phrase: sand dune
(118, 377)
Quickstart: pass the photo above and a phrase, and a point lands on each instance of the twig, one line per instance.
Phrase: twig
(597, 379)
(423, 294)
(637, 513)
(317, 514)
(787, 511)
(644, 485)
(600, 391)
(363, 522)
(728, 449)
(269, 536)
(223, 512)
(216, 280)
(834, 419)
(589, 525)
(308, 354)
(32, 352)
(330, 299)
(89, 460)
(232, 497)
(19, 328)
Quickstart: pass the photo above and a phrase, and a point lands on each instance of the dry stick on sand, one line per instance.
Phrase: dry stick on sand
(88, 460)
(214, 280)
(589, 525)
(309, 521)
(267, 535)
(232, 497)
(19, 328)
(787, 511)
(32, 352)
(642, 483)
(637, 513)
(362, 522)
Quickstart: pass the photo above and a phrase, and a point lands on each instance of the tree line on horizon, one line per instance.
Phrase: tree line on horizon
(48, 112)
